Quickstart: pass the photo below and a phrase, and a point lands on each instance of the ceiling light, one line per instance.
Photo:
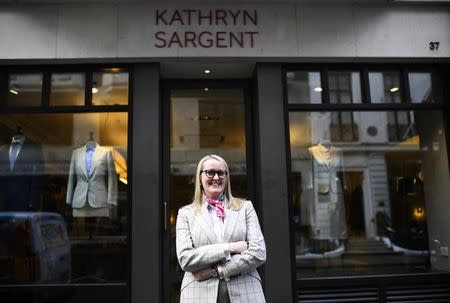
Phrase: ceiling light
(394, 89)
(13, 92)
(317, 89)
(207, 71)
(94, 90)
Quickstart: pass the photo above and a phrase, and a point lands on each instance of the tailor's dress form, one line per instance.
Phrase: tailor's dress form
(329, 208)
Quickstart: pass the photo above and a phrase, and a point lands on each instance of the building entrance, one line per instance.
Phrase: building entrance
(202, 117)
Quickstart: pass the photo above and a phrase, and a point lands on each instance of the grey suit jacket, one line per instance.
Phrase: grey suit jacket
(99, 188)
(197, 248)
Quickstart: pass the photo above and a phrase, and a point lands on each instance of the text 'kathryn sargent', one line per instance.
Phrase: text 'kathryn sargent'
(200, 28)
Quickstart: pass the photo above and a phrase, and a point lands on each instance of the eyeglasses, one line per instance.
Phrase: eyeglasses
(211, 173)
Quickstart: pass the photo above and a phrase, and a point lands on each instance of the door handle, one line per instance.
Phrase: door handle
(165, 216)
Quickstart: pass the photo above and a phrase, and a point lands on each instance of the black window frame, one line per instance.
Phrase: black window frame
(440, 74)
(115, 291)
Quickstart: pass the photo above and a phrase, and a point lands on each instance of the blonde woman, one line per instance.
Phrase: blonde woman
(219, 241)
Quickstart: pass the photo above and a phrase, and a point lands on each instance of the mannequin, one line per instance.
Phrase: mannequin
(21, 173)
(92, 184)
(331, 220)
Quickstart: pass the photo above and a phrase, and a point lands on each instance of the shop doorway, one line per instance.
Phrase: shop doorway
(201, 117)
(354, 204)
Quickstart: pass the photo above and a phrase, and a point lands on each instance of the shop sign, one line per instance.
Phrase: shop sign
(206, 28)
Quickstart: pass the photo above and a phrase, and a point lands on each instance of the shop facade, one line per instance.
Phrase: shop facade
(333, 119)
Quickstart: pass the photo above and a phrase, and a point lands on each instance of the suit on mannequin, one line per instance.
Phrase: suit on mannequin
(21, 180)
(96, 189)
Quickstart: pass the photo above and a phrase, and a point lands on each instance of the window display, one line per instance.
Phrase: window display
(69, 170)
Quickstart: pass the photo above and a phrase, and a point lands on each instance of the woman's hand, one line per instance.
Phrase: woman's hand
(238, 247)
(202, 274)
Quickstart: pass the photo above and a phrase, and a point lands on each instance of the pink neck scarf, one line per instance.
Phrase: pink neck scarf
(218, 204)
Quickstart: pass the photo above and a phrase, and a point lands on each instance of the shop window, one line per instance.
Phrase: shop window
(420, 87)
(63, 197)
(25, 90)
(343, 127)
(67, 89)
(385, 87)
(401, 126)
(304, 87)
(344, 87)
(110, 88)
(372, 206)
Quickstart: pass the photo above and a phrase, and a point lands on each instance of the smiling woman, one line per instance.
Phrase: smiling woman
(219, 241)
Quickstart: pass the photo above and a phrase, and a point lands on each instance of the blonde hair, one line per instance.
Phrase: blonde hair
(233, 202)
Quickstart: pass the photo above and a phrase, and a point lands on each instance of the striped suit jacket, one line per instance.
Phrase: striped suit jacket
(197, 248)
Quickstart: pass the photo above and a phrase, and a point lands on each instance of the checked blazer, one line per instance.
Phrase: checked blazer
(197, 248)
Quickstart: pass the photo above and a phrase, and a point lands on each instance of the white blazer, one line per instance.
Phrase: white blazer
(197, 248)
(99, 187)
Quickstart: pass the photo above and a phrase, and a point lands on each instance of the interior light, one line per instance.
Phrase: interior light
(317, 89)
(94, 90)
(206, 89)
(13, 92)
(207, 71)
(394, 89)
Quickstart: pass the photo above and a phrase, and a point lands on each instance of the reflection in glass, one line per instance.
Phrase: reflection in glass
(304, 87)
(45, 224)
(67, 89)
(110, 88)
(25, 89)
(385, 87)
(371, 206)
(345, 87)
(203, 122)
(420, 87)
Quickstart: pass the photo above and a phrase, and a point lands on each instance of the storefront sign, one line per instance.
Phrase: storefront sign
(206, 28)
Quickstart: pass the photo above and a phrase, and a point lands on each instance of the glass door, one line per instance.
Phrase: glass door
(201, 118)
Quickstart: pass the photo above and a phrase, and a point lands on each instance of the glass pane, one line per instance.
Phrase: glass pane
(67, 89)
(385, 87)
(110, 88)
(304, 87)
(420, 88)
(345, 87)
(25, 90)
(203, 122)
(373, 206)
(63, 206)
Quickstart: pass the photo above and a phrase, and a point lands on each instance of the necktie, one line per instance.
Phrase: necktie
(89, 155)
(15, 147)
(218, 204)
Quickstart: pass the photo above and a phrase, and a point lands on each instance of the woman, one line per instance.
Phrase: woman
(219, 241)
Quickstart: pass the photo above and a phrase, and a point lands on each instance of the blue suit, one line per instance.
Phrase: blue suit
(20, 189)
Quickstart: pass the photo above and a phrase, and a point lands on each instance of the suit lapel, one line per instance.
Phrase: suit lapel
(205, 223)
(83, 160)
(229, 224)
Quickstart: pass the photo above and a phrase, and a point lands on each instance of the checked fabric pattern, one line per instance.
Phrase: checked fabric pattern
(197, 248)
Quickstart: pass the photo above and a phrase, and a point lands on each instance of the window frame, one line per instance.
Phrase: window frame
(119, 290)
(439, 75)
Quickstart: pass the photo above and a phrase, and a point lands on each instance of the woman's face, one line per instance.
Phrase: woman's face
(213, 187)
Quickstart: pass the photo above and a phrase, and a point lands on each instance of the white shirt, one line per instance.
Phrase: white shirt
(219, 229)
